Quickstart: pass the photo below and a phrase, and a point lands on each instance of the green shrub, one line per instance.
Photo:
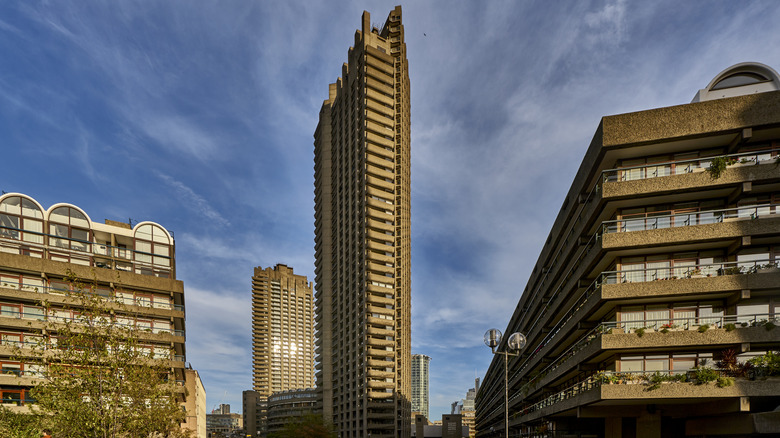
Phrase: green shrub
(703, 328)
(729, 327)
(705, 375)
(717, 166)
(723, 382)
(640, 331)
(769, 325)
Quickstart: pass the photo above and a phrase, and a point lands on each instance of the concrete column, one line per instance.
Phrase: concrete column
(648, 426)
(613, 427)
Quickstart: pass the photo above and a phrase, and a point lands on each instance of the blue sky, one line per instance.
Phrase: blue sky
(199, 115)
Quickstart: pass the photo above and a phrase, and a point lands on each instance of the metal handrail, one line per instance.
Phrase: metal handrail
(699, 218)
(611, 175)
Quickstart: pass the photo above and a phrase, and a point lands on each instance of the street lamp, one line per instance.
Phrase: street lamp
(514, 344)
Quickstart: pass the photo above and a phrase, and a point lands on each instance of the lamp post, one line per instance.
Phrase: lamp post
(514, 344)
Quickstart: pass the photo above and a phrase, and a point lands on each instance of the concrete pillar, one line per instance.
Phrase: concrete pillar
(613, 427)
(648, 426)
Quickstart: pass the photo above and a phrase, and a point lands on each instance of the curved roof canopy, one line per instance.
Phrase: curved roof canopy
(740, 79)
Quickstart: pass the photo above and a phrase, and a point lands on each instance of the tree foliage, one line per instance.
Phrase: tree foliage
(309, 426)
(101, 382)
(19, 425)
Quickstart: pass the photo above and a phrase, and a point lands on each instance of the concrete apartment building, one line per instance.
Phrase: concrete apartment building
(420, 389)
(664, 259)
(362, 238)
(282, 337)
(288, 406)
(282, 330)
(195, 404)
(254, 413)
(38, 247)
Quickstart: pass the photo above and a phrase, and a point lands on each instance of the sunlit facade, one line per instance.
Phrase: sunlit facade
(362, 167)
(659, 280)
(282, 330)
(39, 247)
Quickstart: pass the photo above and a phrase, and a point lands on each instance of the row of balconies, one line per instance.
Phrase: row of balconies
(587, 257)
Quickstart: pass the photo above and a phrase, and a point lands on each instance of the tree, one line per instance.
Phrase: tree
(309, 426)
(19, 425)
(101, 382)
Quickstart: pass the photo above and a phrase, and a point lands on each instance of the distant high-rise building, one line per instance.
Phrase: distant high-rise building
(282, 331)
(420, 389)
(362, 245)
(465, 407)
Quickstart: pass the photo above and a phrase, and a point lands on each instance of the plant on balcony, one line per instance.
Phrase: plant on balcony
(767, 364)
(732, 270)
(655, 380)
(769, 326)
(640, 331)
(703, 328)
(704, 374)
(730, 327)
(723, 382)
(695, 273)
(717, 166)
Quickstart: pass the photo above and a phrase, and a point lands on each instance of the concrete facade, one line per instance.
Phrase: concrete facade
(362, 238)
(254, 414)
(136, 264)
(195, 404)
(656, 268)
(289, 406)
(282, 330)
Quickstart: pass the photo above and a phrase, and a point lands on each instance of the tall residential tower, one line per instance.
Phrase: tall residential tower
(282, 331)
(362, 243)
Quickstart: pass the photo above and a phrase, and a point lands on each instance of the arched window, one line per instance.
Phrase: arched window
(69, 229)
(740, 79)
(152, 247)
(21, 219)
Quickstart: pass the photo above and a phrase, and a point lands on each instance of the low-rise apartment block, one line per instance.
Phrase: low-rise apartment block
(652, 309)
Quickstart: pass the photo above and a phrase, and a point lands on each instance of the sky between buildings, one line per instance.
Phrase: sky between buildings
(199, 115)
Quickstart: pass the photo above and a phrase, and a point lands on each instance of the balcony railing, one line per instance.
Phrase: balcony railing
(654, 222)
(687, 271)
(84, 252)
(57, 318)
(692, 323)
(614, 175)
(655, 170)
(650, 325)
(45, 289)
(51, 344)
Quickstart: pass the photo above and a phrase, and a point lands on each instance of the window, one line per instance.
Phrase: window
(69, 229)
(21, 219)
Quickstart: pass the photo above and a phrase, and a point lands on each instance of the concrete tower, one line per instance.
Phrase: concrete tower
(282, 331)
(362, 243)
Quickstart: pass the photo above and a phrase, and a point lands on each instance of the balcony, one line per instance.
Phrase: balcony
(85, 253)
(649, 221)
(657, 170)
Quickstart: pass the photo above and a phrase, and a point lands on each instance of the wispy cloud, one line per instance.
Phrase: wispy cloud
(193, 202)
